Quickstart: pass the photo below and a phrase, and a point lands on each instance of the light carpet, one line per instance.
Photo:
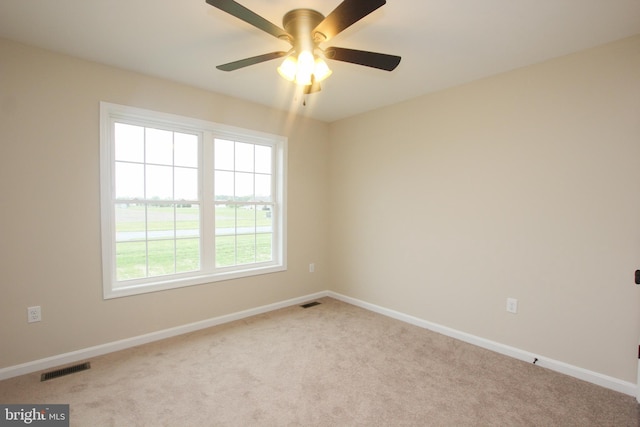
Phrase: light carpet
(329, 365)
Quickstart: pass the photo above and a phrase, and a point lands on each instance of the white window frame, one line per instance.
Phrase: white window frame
(207, 131)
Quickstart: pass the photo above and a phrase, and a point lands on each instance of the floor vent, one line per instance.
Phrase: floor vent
(65, 371)
(310, 304)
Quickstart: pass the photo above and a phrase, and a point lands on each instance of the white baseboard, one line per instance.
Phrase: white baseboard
(86, 353)
(554, 365)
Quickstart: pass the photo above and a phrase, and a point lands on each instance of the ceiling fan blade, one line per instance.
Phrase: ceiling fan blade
(381, 61)
(346, 14)
(241, 12)
(231, 66)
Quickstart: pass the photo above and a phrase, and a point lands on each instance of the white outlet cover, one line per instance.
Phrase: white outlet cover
(512, 305)
(34, 314)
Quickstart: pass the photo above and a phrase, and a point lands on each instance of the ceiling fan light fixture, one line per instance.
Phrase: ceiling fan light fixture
(321, 70)
(303, 68)
(303, 79)
(289, 68)
(306, 64)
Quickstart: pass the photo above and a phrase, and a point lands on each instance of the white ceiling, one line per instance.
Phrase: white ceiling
(443, 43)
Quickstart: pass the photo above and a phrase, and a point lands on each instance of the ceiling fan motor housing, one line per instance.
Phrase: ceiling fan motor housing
(299, 23)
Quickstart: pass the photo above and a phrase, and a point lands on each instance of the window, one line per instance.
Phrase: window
(187, 202)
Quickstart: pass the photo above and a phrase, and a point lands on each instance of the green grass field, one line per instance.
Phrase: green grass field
(237, 242)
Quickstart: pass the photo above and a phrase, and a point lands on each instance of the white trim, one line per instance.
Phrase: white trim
(98, 350)
(554, 365)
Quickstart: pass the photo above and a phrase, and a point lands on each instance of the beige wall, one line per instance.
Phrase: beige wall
(50, 216)
(524, 185)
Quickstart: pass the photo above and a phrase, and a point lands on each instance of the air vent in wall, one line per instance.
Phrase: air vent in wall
(65, 371)
(310, 304)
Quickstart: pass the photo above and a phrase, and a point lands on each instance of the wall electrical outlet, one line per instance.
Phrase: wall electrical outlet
(312, 268)
(34, 314)
(512, 305)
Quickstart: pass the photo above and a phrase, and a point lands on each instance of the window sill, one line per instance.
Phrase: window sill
(133, 288)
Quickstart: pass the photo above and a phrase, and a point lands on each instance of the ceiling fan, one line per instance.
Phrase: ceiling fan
(305, 30)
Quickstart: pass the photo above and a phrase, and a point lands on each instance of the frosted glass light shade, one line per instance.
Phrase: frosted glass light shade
(288, 68)
(321, 70)
(305, 68)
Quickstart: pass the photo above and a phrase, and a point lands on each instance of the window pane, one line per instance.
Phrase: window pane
(225, 220)
(159, 183)
(264, 220)
(129, 142)
(187, 221)
(161, 257)
(159, 146)
(223, 152)
(129, 181)
(185, 149)
(263, 188)
(130, 222)
(244, 186)
(224, 185)
(187, 249)
(187, 255)
(131, 260)
(225, 251)
(186, 183)
(244, 157)
(263, 159)
(245, 220)
(264, 244)
(161, 222)
(246, 248)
